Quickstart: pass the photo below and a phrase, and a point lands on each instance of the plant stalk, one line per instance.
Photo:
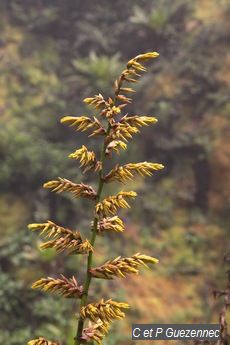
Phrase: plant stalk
(88, 278)
(92, 241)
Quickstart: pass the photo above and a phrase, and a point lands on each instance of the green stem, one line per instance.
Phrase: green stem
(92, 241)
(94, 231)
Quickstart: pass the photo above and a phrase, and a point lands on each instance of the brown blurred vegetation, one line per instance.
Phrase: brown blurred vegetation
(53, 54)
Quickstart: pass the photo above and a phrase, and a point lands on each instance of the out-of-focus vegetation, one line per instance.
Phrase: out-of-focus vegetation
(53, 54)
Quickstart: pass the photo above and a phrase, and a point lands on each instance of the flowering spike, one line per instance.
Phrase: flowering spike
(84, 155)
(63, 238)
(109, 205)
(118, 131)
(107, 107)
(133, 70)
(42, 341)
(83, 123)
(64, 185)
(87, 159)
(71, 245)
(114, 146)
(50, 229)
(97, 101)
(95, 332)
(120, 267)
(142, 57)
(138, 121)
(110, 111)
(63, 286)
(106, 311)
(126, 172)
(122, 131)
(110, 224)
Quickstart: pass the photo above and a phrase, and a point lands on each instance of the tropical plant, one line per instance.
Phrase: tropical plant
(116, 130)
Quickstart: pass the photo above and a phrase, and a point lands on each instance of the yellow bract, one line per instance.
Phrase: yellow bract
(126, 172)
(63, 238)
(83, 123)
(130, 75)
(142, 57)
(95, 332)
(87, 159)
(72, 245)
(106, 311)
(120, 267)
(97, 101)
(110, 224)
(123, 131)
(84, 155)
(115, 145)
(63, 286)
(77, 189)
(50, 229)
(139, 121)
(107, 107)
(110, 205)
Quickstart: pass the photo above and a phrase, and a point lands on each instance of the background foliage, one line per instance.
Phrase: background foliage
(53, 54)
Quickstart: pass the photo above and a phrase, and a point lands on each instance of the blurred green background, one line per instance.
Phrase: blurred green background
(55, 53)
